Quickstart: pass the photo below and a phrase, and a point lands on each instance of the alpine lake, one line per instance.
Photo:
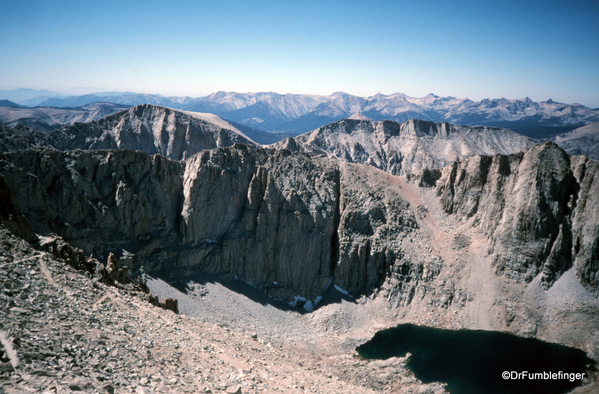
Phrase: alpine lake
(475, 362)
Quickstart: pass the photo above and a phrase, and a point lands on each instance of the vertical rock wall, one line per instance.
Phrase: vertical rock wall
(538, 209)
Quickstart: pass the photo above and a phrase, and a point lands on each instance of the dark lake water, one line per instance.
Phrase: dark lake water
(473, 362)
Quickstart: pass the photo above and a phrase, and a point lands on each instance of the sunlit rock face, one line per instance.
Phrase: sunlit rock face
(408, 147)
(539, 210)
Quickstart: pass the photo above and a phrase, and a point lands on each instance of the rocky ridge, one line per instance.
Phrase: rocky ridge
(504, 242)
(333, 223)
(155, 130)
(185, 213)
(537, 208)
(405, 148)
(436, 273)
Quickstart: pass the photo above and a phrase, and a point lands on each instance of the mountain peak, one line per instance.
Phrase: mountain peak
(359, 116)
(340, 94)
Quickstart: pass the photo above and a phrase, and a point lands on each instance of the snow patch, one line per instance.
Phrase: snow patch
(344, 292)
(297, 299)
(317, 300)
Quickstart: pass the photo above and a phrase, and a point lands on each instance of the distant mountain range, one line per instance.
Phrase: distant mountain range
(28, 97)
(395, 147)
(8, 103)
(398, 148)
(52, 118)
(299, 113)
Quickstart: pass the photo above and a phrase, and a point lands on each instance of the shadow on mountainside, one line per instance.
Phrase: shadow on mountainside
(184, 281)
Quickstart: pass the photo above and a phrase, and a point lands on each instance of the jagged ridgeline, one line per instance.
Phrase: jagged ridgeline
(196, 194)
(156, 130)
(408, 147)
(265, 216)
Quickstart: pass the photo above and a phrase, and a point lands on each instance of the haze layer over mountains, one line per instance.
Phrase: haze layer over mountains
(300, 113)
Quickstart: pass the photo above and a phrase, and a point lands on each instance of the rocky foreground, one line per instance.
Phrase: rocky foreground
(65, 331)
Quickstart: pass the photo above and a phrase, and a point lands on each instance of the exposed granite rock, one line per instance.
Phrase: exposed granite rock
(20, 137)
(286, 222)
(114, 273)
(408, 147)
(581, 141)
(168, 303)
(291, 223)
(71, 333)
(80, 196)
(67, 253)
(11, 216)
(539, 209)
(149, 128)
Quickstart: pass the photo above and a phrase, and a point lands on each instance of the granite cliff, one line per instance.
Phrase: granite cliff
(538, 209)
(503, 242)
(405, 148)
(286, 222)
(293, 223)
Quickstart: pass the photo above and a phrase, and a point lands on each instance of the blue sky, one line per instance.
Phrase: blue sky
(475, 49)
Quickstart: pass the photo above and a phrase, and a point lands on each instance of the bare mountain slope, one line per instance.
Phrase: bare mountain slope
(537, 209)
(582, 141)
(404, 148)
(152, 129)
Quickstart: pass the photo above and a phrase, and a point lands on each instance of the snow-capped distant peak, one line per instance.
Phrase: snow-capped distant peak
(359, 116)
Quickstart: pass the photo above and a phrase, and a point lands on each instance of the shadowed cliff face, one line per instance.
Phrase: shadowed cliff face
(289, 223)
(539, 210)
(286, 222)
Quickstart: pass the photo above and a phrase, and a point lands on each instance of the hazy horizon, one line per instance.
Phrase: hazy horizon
(91, 91)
